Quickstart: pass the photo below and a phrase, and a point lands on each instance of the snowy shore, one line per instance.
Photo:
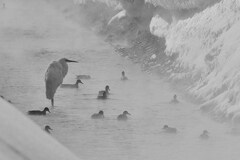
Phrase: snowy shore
(201, 48)
(20, 138)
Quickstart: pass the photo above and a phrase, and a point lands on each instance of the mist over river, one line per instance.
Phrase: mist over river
(32, 37)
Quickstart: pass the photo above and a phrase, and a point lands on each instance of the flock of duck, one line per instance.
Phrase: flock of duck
(54, 78)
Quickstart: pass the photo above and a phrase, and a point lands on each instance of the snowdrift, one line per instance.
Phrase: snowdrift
(208, 49)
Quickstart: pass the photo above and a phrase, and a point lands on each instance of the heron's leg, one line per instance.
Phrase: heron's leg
(52, 100)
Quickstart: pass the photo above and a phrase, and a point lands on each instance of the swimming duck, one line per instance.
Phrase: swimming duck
(99, 115)
(47, 129)
(71, 85)
(83, 76)
(123, 116)
(103, 94)
(174, 100)
(204, 135)
(123, 76)
(37, 112)
(169, 129)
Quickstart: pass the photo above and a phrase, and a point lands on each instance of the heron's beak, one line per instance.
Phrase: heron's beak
(67, 60)
(49, 111)
(128, 113)
(81, 82)
(50, 128)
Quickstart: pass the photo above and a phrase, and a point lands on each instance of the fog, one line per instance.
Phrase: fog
(147, 41)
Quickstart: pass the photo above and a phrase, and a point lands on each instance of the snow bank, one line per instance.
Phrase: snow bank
(208, 47)
(202, 47)
(20, 138)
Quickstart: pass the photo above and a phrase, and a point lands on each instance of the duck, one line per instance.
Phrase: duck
(99, 115)
(168, 129)
(83, 76)
(123, 116)
(174, 100)
(123, 78)
(47, 129)
(37, 112)
(71, 85)
(103, 94)
(204, 135)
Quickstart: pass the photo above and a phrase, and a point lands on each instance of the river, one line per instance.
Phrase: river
(24, 60)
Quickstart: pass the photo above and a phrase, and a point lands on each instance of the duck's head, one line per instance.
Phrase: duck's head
(175, 96)
(126, 113)
(79, 81)
(100, 112)
(48, 127)
(205, 132)
(165, 126)
(46, 109)
(107, 88)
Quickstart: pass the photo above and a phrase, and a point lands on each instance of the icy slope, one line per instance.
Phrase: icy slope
(21, 139)
(208, 46)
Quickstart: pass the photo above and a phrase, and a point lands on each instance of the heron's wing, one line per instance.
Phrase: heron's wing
(53, 78)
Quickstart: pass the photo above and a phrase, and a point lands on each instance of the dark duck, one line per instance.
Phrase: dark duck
(168, 129)
(104, 94)
(37, 112)
(123, 78)
(99, 115)
(47, 129)
(174, 100)
(71, 85)
(204, 135)
(123, 116)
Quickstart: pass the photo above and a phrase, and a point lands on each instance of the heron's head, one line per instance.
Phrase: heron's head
(100, 112)
(68, 60)
(46, 109)
(48, 127)
(123, 73)
(126, 112)
(79, 81)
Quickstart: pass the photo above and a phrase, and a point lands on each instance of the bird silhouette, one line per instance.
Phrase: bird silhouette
(55, 73)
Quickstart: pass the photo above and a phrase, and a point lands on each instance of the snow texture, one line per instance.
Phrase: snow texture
(208, 47)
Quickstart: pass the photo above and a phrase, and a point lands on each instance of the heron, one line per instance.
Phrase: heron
(55, 73)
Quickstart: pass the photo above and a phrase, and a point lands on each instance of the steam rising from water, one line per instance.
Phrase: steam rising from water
(207, 55)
